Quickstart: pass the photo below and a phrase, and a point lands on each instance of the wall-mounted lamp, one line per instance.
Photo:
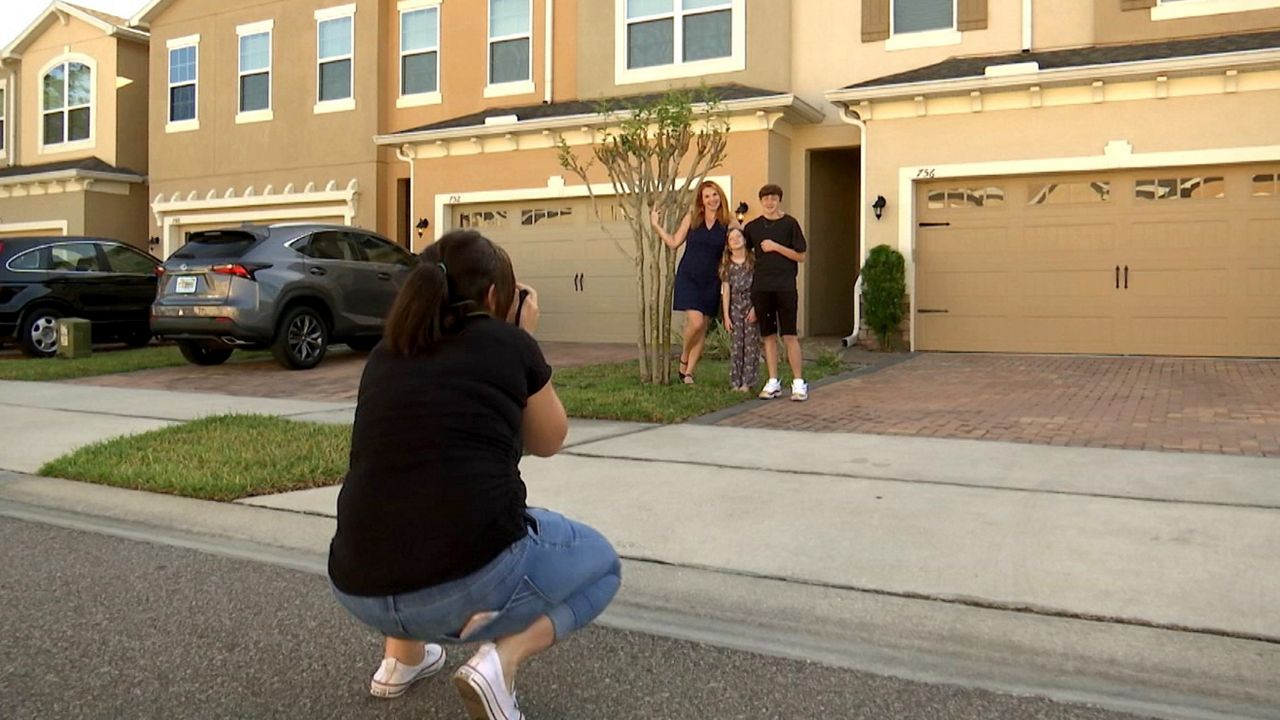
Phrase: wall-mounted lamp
(422, 226)
(878, 206)
(154, 240)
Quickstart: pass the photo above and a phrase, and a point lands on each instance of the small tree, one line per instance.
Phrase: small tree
(655, 154)
(884, 287)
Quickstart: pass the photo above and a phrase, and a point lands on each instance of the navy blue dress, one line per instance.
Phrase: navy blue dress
(698, 277)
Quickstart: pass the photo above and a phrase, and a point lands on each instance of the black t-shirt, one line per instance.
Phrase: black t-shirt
(433, 492)
(773, 271)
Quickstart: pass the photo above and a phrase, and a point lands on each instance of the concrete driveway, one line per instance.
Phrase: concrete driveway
(1222, 406)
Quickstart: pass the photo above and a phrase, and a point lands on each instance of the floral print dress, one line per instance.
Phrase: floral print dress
(744, 345)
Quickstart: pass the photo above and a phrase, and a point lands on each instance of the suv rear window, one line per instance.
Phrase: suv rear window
(216, 244)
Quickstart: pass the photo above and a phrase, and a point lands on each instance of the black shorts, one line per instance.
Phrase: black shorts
(776, 311)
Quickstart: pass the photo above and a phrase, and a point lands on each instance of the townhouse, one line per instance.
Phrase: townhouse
(1062, 176)
(73, 109)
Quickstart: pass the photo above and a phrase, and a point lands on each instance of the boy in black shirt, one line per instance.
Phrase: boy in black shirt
(780, 247)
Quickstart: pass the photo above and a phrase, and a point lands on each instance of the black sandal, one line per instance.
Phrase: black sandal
(683, 375)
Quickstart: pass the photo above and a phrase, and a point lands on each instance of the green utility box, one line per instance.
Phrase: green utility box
(74, 339)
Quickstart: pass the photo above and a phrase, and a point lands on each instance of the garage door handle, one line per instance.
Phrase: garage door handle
(1117, 277)
(316, 270)
(935, 224)
(928, 311)
(1126, 277)
(582, 282)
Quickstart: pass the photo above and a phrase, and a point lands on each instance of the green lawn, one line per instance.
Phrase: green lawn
(614, 391)
(225, 457)
(104, 362)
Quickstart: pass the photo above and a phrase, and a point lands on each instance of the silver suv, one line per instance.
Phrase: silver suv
(292, 288)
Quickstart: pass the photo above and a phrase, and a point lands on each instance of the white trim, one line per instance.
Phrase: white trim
(185, 40)
(192, 123)
(255, 116)
(262, 114)
(419, 100)
(333, 106)
(11, 50)
(522, 87)
(416, 99)
(182, 126)
(336, 12)
(514, 87)
(1114, 157)
(254, 28)
(339, 104)
(4, 116)
(68, 146)
(1081, 74)
(735, 62)
(1165, 10)
(548, 42)
(553, 190)
(83, 176)
(925, 39)
(60, 225)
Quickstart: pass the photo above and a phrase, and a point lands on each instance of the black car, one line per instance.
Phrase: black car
(109, 283)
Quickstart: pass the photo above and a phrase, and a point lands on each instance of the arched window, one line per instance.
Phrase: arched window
(68, 103)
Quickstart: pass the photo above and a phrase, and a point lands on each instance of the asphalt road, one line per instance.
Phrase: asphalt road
(100, 627)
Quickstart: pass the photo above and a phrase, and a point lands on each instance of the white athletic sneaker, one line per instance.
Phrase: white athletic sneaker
(394, 677)
(771, 390)
(799, 390)
(483, 689)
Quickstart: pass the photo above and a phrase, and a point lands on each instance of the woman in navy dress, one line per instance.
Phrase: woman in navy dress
(697, 291)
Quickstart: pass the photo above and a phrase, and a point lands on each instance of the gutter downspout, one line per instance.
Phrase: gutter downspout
(406, 153)
(852, 118)
(1026, 25)
(551, 19)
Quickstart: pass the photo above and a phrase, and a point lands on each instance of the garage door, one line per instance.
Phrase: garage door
(41, 232)
(1156, 262)
(194, 225)
(583, 272)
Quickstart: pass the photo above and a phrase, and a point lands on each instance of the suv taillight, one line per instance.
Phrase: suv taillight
(159, 271)
(245, 271)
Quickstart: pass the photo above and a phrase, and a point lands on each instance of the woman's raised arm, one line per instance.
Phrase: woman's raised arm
(672, 241)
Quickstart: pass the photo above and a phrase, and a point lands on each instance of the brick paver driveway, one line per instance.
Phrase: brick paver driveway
(337, 379)
(1190, 405)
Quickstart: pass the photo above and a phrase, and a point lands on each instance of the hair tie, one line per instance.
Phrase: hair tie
(442, 267)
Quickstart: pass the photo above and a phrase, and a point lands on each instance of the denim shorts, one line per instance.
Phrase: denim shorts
(561, 568)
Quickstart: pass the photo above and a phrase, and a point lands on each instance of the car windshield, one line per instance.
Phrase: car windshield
(216, 244)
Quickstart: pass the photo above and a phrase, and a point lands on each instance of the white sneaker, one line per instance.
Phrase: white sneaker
(483, 689)
(799, 390)
(393, 677)
(772, 389)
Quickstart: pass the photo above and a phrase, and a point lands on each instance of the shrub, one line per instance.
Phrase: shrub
(884, 287)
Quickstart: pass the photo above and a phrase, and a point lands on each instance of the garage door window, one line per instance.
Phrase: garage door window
(546, 216)
(1267, 185)
(1185, 188)
(977, 197)
(1073, 193)
(483, 219)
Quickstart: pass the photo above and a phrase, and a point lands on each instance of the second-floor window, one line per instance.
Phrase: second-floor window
(67, 103)
(420, 51)
(335, 43)
(510, 41)
(255, 71)
(923, 15)
(667, 32)
(182, 83)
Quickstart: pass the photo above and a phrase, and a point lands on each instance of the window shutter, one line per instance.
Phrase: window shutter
(875, 20)
(972, 15)
(1137, 4)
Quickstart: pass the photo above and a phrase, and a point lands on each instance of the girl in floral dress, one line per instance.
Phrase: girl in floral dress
(736, 268)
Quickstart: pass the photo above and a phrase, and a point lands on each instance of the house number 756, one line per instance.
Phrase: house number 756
(926, 173)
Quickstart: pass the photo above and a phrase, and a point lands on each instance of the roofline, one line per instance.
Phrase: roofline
(71, 174)
(142, 17)
(1056, 76)
(111, 29)
(797, 107)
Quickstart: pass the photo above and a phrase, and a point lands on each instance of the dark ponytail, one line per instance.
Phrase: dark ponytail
(451, 282)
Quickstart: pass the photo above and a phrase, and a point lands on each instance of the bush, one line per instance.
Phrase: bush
(884, 287)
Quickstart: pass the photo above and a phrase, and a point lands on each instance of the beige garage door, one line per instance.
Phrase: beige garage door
(584, 274)
(42, 232)
(1161, 262)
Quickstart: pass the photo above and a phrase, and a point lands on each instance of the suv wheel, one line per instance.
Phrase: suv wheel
(301, 340)
(38, 332)
(198, 354)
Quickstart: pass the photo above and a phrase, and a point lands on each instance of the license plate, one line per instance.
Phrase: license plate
(185, 284)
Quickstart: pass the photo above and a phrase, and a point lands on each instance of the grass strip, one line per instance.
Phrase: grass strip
(102, 362)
